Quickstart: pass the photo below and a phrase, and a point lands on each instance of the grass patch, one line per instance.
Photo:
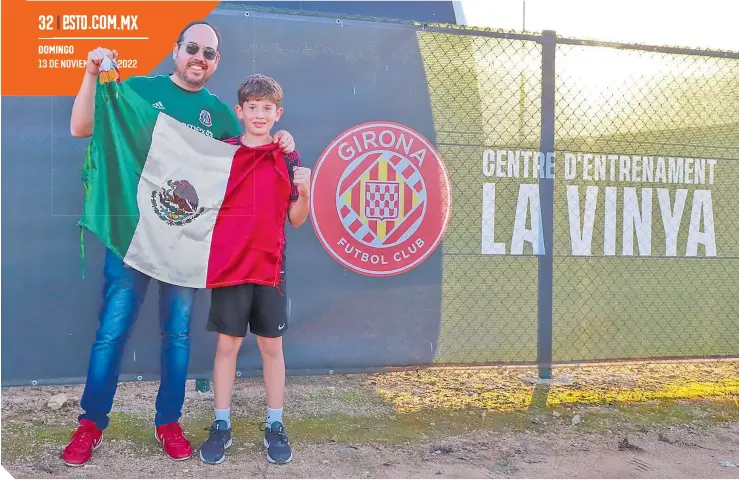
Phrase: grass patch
(432, 405)
(505, 389)
(24, 439)
(401, 428)
(360, 397)
(655, 416)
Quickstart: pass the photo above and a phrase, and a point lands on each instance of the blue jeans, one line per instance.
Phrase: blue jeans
(123, 293)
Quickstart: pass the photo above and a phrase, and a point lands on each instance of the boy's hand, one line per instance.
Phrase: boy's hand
(301, 179)
(285, 140)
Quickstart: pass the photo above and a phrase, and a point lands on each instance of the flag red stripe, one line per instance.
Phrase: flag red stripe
(248, 238)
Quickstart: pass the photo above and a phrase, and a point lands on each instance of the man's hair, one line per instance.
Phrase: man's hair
(260, 87)
(181, 38)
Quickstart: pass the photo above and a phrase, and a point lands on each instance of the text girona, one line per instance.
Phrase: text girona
(386, 139)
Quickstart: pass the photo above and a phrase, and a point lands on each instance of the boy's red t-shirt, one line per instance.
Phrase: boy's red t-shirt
(250, 226)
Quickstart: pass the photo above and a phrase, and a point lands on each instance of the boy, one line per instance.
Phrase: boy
(261, 308)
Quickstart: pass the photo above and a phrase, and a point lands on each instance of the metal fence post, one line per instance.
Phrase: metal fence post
(546, 193)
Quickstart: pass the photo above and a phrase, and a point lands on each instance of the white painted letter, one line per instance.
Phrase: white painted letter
(633, 220)
(570, 166)
(528, 204)
(671, 218)
(489, 245)
(488, 163)
(609, 227)
(702, 204)
(581, 242)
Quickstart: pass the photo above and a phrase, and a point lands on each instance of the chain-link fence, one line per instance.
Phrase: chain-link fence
(485, 93)
(657, 193)
(621, 245)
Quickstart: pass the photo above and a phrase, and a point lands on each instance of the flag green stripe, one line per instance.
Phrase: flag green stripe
(115, 158)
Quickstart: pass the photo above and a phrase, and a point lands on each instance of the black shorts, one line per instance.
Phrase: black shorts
(260, 308)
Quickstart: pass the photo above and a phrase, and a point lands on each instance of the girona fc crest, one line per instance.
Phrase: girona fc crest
(381, 199)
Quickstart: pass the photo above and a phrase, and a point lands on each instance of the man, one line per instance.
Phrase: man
(181, 95)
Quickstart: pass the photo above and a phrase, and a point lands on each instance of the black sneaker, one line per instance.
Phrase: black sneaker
(213, 450)
(277, 444)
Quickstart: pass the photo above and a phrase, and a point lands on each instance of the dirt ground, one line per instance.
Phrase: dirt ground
(345, 427)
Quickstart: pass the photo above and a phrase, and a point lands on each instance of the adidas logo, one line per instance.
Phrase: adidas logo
(158, 105)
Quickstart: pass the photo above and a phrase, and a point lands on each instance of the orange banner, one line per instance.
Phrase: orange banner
(45, 42)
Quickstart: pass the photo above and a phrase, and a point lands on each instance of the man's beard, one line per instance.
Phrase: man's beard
(188, 79)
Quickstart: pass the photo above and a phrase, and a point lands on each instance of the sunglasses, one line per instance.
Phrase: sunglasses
(193, 48)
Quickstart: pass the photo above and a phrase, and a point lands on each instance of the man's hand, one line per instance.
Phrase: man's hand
(83, 109)
(285, 140)
(301, 179)
(95, 58)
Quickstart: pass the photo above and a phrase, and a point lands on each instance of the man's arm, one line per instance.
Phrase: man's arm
(83, 110)
(286, 141)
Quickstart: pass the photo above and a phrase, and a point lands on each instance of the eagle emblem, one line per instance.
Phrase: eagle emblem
(177, 203)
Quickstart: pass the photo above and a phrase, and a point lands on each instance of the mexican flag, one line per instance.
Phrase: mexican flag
(177, 205)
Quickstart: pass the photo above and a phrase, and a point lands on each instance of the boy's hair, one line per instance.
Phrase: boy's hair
(260, 87)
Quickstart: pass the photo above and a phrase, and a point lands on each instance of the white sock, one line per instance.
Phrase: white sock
(274, 415)
(225, 415)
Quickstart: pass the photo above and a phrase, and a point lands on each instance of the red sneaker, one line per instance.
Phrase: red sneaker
(85, 439)
(173, 441)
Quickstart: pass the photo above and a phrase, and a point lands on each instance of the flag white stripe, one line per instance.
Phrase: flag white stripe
(178, 254)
